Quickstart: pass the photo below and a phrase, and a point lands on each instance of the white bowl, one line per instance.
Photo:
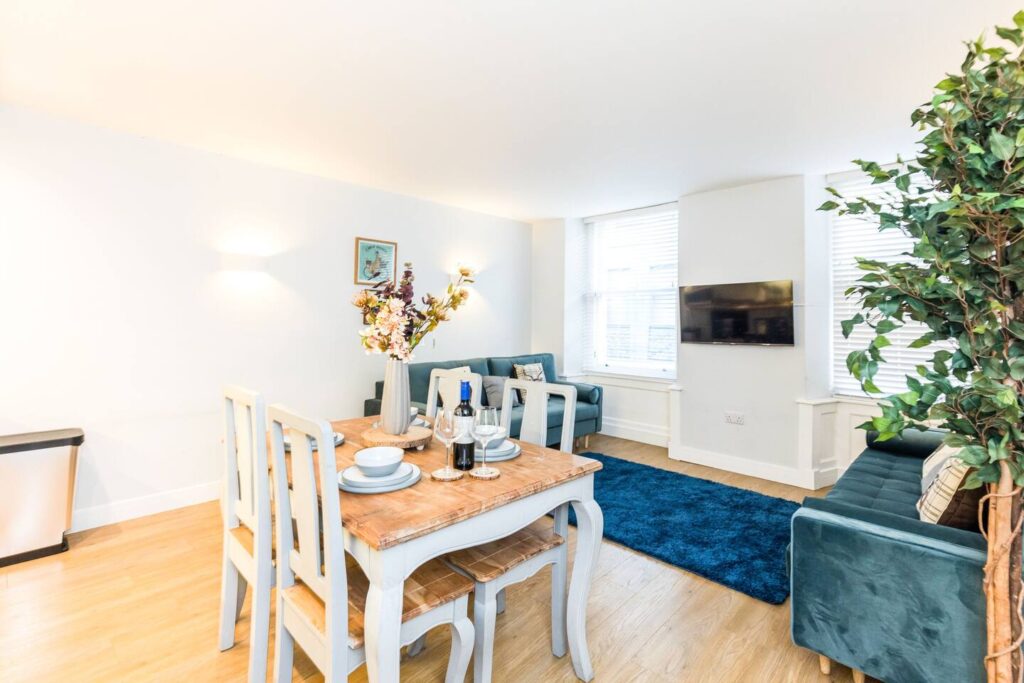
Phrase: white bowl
(379, 461)
(413, 412)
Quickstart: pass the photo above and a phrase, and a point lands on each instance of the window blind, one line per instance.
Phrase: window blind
(630, 298)
(854, 236)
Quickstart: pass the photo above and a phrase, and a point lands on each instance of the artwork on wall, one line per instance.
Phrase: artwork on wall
(375, 261)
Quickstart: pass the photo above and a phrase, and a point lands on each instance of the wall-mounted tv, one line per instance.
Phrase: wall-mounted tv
(737, 313)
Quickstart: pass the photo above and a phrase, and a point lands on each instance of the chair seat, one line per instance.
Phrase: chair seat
(245, 538)
(488, 561)
(430, 586)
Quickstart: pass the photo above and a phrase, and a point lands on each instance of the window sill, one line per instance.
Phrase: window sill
(634, 381)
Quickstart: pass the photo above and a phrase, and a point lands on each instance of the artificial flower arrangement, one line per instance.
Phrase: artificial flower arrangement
(394, 325)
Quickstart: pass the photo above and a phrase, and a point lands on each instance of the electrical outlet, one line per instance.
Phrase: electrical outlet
(734, 418)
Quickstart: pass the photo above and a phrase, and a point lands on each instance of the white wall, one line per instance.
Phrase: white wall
(760, 231)
(122, 316)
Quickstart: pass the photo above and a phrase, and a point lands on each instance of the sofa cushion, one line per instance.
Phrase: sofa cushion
(419, 375)
(911, 442)
(883, 481)
(556, 411)
(494, 389)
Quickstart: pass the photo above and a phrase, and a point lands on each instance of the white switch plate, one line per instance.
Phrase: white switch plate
(734, 418)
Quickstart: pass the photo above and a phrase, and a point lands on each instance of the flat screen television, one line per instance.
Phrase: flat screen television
(737, 313)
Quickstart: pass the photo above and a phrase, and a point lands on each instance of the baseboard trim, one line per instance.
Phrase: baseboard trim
(121, 510)
(644, 432)
(806, 479)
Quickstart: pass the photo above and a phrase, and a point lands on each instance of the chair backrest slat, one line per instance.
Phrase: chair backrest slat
(316, 555)
(534, 428)
(447, 384)
(246, 497)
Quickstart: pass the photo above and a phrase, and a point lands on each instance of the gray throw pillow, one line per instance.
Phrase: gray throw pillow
(494, 388)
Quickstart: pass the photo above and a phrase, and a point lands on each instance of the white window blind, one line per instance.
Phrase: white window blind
(631, 264)
(854, 236)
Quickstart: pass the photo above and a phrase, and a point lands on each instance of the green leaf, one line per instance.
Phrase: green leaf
(881, 341)
(1018, 19)
(1002, 147)
(1011, 34)
(831, 205)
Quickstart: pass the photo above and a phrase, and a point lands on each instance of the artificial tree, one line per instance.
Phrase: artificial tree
(961, 201)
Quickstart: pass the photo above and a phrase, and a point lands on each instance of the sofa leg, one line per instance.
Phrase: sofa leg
(586, 441)
(858, 676)
(825, 664)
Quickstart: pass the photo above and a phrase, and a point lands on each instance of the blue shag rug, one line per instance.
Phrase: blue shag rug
(731, 536)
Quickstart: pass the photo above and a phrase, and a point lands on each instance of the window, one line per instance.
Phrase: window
(853, 236)
(630, 319)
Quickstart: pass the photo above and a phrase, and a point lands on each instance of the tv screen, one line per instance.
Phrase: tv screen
(738, 313)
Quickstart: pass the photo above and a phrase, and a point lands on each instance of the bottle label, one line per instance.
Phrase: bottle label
(464, 427)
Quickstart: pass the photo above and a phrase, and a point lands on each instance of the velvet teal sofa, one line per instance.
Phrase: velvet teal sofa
(878, 590)
(589, 397)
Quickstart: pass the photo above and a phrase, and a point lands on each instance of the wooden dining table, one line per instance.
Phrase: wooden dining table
(391, 534)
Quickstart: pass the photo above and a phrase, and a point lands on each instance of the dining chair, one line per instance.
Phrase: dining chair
(321, 595)
(497, 565)
(248, 534)
(446, 384)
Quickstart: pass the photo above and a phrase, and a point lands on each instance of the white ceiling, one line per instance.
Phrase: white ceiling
(521, 108)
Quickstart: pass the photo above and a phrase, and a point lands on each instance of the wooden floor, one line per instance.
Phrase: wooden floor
(138, 601)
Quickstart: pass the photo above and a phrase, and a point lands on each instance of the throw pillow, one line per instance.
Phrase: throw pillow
(494, 389)
(933, 465)
(531, 372)
(946, 502)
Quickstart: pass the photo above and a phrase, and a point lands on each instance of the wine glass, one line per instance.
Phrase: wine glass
(446, 431)
(485, 430)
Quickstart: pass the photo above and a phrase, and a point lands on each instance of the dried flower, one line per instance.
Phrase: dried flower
(394, 325)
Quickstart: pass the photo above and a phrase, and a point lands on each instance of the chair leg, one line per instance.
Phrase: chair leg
(417, 646)
(500, 601)
(462, 642)
(231, 584)
(825, 664)
(240, 600)
(858, 676)
(284, 650)
(259, 627)
(558, 601)
(485, 613)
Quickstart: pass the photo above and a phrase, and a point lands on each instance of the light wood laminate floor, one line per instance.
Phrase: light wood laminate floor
(138, 601)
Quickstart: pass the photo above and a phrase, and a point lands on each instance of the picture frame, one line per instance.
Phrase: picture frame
(375, 261)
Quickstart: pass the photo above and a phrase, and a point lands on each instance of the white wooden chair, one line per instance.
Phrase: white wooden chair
(248, 533)
(321, 596)
(447, 385)
(496, 565)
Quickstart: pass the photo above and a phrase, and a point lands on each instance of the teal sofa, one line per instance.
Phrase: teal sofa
(589, 397)
(878, 590)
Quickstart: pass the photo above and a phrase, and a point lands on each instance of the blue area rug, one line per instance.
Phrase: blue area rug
(732, 536)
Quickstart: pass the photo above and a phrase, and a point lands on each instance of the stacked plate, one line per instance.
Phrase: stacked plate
(506, 451)
(378, 470)
(339, 439)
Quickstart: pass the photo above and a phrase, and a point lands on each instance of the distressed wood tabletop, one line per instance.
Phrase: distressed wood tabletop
(384, 520)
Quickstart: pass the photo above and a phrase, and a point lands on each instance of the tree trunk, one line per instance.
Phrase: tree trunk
(999, 584)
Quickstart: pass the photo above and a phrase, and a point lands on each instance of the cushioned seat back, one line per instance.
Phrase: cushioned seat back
(911, 442)
(419, 375)
(502, 366)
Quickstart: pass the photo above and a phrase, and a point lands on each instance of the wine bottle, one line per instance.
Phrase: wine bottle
(464, 446)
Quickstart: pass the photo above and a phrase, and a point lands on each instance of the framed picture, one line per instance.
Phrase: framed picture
(375, 261)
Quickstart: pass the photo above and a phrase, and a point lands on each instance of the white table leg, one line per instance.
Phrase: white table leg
(589, 529)
(383, 627)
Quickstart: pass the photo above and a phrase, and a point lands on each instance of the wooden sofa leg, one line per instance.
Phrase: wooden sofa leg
(858, 676)
(825, 664)
(586, 441)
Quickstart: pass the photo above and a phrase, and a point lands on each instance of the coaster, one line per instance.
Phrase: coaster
(485, 473)
(447, 475)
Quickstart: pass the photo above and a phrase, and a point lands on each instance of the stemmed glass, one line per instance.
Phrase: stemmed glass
(485, 430)
(446, 432)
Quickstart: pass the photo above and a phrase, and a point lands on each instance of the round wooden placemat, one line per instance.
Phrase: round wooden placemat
(415, 437)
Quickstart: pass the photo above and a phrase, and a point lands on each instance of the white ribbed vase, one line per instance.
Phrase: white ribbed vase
(395, 403)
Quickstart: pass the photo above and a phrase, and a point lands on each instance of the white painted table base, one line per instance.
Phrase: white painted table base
(387, 569)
